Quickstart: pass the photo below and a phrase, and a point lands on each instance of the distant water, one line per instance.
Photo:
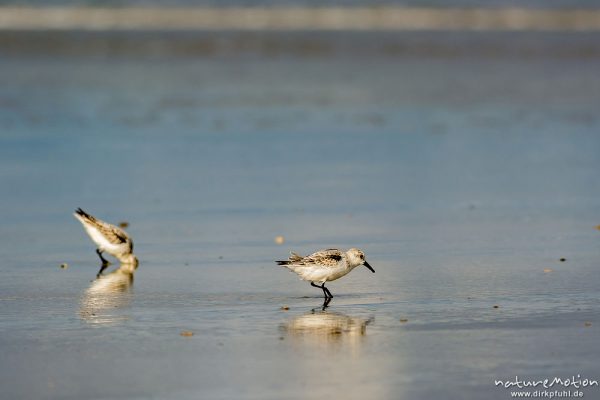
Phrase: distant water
(465, 179)
(226, 3)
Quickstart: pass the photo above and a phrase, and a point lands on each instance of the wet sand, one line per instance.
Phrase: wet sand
(465, 179)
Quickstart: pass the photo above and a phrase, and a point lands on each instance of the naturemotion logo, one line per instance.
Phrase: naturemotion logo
(547, 383)
(527, 386)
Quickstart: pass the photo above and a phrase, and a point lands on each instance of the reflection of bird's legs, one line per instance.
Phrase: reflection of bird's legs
(105, 263)
(104, 260)
(326, 291)
(102, 268)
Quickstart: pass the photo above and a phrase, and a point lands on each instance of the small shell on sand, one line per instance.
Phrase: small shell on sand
(587, 323)
(64, 266)
(186, 333)
(279, 239)
(546, 270)
(403, 320)
(285, 308)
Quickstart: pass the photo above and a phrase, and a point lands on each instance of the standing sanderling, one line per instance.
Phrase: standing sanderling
(108, 238)
(325, 266)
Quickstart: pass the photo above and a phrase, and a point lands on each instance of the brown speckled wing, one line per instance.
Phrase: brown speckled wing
(328, 258)
(111, 232)
(295, 258)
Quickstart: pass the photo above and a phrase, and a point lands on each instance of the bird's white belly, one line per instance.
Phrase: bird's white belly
(323, 274)
(338, 273)
(104, 245)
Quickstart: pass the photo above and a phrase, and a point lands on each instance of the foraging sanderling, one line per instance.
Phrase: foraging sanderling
(325, 266)
(108, 238)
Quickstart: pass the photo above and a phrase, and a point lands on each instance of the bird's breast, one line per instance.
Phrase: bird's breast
(338, 272)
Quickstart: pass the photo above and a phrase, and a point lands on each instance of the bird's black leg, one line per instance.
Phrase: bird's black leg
(105, 263)
(326, 291)
(104, 260)
(320, 287)
(326, 303)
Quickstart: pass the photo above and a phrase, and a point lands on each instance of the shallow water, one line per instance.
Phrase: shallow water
(253, 3)
(464, 181)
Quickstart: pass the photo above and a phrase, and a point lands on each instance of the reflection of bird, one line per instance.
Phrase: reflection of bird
(327, 326)
(325, 265)
(107, 294)
(108, 238)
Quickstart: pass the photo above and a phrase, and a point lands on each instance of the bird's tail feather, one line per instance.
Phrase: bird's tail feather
(79, 213)
(294, 258)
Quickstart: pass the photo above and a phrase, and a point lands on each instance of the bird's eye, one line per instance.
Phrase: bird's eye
(362, 256)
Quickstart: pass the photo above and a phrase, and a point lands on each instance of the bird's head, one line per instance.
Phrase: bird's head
(130, 260)
(356, 257)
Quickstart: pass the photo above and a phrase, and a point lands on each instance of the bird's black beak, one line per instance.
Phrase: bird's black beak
(366, 264)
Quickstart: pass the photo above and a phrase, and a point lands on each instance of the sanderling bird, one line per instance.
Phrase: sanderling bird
(108, 238)
(325, 266)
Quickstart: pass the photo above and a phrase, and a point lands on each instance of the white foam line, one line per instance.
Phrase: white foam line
(298, 19)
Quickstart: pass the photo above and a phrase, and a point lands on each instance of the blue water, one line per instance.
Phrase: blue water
(464, 180)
